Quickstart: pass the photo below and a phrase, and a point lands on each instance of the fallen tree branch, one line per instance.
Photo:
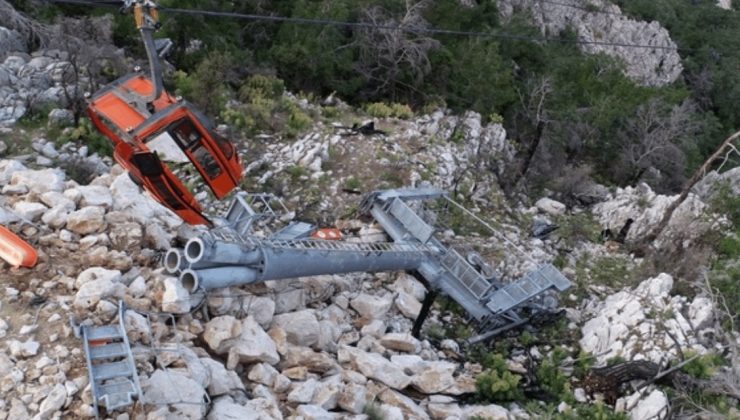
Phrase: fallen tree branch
(695, 178)
(609, 380)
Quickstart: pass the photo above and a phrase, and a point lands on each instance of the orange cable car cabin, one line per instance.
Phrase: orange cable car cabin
(121, 112)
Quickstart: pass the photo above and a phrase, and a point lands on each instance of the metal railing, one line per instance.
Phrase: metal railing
(468, 276)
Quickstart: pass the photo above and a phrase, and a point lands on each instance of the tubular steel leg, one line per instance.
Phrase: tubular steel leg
(425, 306)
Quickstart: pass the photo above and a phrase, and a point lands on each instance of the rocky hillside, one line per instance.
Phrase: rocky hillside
(326, 346)
(599, 23)
(340, 346)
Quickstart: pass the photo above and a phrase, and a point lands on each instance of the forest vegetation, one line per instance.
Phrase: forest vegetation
(571, 115)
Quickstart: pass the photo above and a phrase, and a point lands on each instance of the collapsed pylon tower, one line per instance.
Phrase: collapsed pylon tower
(233, 255)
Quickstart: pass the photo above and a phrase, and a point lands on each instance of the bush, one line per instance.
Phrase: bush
(703, 367)
(497, 383)
(296, 172)
(551, 379)
(379, 110)
(86, 133)
(298, 121)
(372, 411)
(612, 271)
(261, 86)
(207, 86)
(353, 183)
(579, 227)
(383, 110)
(402, 111)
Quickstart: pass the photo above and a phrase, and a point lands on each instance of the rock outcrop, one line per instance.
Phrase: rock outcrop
(646, 323)
(602, 28)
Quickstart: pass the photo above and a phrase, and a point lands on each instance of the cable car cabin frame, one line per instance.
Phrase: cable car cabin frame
(121, 113)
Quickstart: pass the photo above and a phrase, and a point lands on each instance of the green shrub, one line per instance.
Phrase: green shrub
(610, 270)
(551, 379)
(372, 411)
(183, 84)
(261, 86)
(296, 172)
(497, 383)
(383, 110)
(615, 360)
(579, 227)
(703, 367)
(237, 118)
(207, 85)
(597, 411)
(330, 111)
(402, 111)
(298, 121)
(87, 134)
(379, 110)
(392, 178)
(353, 183)
(583, 365)
(729, 247)
(495, 118)
(527, 339)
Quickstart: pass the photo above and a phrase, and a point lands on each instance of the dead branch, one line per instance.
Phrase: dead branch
(695, 178)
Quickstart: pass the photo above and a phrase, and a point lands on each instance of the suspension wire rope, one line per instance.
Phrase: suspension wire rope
(381, 27)
(493, 231)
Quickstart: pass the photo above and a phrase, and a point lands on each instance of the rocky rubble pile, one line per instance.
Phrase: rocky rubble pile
(315, 348)
(647, 323)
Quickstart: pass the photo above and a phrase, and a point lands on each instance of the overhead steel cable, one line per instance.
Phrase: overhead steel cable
(372, 26)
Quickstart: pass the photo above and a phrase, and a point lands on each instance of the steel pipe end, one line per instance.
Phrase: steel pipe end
(173, 260)
(189, 280)
(194, 250)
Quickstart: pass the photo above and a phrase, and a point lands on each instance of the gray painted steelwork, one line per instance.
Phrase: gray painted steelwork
(234, 256)
(113, 378)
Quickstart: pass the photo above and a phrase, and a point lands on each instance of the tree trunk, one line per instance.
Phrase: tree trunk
(698, 175)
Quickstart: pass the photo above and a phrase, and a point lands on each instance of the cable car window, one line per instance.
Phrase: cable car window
(166, 147)
(207, 162)
(189, 138)
(226, 147)
(185, 134)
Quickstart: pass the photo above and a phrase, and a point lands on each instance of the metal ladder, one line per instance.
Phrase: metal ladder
(110, 364)
(348, 246)
(531, 285)
(411, 221)
(465, 274)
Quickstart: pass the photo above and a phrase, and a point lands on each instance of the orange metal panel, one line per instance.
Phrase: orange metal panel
(140, 85)
(118, 111)
(15, 250)
(328, 234)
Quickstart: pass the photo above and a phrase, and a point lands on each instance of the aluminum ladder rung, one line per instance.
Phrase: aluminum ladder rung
(104, 371)
(106, 332)
(108, 351)
(117, 394)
